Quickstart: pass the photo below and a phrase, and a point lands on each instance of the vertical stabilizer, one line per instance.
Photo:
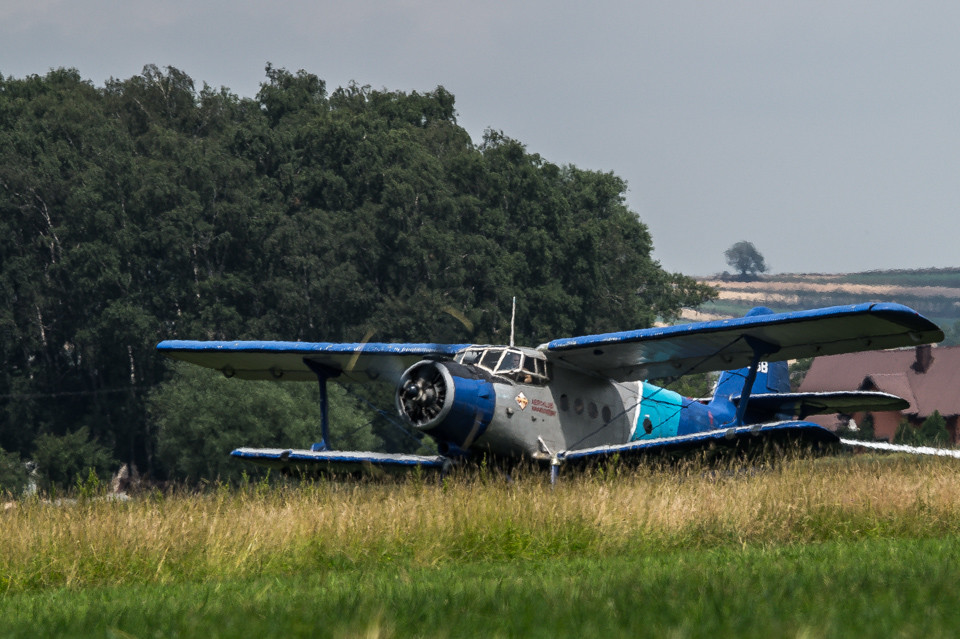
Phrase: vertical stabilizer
(772, 377)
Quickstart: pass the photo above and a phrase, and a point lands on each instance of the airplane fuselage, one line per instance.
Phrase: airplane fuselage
(523, 408)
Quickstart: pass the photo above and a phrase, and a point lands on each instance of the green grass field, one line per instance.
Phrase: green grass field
(830, 547)
(920, 277)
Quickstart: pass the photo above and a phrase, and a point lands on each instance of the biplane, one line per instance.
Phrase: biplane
(577, 399)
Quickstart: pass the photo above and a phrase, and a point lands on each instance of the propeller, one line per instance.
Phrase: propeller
(424, 395)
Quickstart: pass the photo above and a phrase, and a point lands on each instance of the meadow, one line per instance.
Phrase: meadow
(933, 292)
(801, 547)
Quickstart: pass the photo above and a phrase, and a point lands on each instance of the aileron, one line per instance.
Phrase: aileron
(720, 345)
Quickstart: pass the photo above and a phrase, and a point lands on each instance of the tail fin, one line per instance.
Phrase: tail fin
(772, 377)
(771, 399)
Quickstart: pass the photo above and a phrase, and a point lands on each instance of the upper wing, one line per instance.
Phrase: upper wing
(362, 362)
(726, 344)
(805, 404)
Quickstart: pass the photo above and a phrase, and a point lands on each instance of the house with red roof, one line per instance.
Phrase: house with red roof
(926, 376)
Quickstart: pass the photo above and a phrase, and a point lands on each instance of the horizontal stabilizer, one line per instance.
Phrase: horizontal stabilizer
(804, 404)
(338, 461)
(729, 344)
(739, 437)
(900, 448)
(285, 361)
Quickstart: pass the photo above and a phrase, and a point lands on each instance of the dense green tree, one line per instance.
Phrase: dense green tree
(62, 459)
(933, 430)
(200, 416)
(13, 474)
(151, 208)
(908, 434)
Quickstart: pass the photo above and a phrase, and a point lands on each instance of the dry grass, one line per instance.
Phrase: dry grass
(265, 530)
(735, 289)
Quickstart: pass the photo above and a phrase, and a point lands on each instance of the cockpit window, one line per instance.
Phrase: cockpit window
(490, 359)
(509, 362)
(535, 366)
(470, 357)
(525, 366)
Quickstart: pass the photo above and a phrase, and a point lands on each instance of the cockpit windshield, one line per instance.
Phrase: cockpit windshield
(522, 365)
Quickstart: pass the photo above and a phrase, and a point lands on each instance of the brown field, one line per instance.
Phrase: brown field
(745, 289)
(795, 292)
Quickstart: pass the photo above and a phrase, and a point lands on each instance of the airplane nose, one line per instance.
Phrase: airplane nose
(425, 394)
(420, 393)
(451, 402)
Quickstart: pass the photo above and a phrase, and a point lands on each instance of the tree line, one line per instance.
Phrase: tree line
(148, 209)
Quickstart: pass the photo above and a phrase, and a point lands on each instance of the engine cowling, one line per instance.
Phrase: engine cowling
(451, 402)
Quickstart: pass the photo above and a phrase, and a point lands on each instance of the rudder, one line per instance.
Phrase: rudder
(772, 377)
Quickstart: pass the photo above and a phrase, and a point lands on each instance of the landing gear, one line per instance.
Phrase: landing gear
(323, 373)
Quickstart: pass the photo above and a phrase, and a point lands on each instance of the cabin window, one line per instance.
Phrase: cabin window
(535, 366)
(533, 371)
(521, 365)
(592, 410)
(564, 403)
(578, 406)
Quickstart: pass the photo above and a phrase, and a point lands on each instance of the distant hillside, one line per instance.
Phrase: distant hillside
(933, 292)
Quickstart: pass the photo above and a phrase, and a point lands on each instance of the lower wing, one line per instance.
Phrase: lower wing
(739, 437)
(338, 461)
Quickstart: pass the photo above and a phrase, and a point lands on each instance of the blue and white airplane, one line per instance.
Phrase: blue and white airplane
(581, 398)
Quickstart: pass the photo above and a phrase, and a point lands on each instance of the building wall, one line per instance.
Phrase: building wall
(885, 425)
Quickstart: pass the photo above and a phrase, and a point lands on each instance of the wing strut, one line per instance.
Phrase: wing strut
(760, 349)
(323, 373)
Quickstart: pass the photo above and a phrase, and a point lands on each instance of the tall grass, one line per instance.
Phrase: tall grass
(317, 527)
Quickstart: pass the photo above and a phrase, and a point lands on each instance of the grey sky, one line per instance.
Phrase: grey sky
(827, 133)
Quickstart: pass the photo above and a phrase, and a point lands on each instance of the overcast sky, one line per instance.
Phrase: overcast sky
(827, 133)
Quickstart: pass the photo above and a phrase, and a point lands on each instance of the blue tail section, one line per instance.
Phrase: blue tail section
(772, 377)
(664, 413)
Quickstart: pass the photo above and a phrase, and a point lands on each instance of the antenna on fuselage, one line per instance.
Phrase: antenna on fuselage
(513, 317)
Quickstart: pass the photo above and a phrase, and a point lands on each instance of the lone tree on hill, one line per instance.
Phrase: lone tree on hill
(746, 259)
